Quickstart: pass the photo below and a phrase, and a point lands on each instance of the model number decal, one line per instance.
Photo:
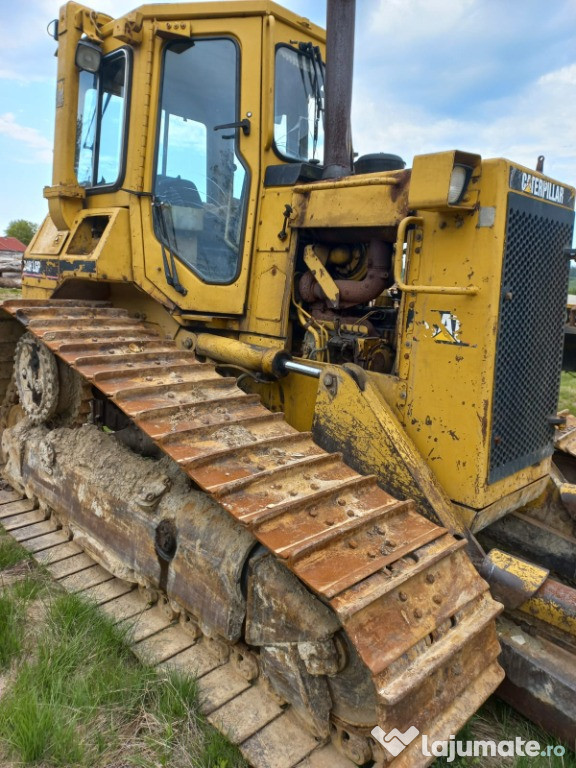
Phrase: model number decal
(32, 266)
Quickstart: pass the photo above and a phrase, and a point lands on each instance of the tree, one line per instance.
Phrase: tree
(21, 229)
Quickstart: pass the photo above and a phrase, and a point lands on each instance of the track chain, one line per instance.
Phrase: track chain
(405, 593)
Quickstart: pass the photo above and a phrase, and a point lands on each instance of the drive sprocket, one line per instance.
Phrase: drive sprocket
(36, 379)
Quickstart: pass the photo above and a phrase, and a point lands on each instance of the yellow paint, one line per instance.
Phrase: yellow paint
(315, 258)
(550, 613)
(351, 416)
(376, 201)
(430, 181)
(531, 576)
(436, 405)
(449, 376)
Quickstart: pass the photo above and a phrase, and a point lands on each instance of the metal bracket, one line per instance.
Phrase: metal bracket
(512, 580)
(316, 265)
(129, 29)
(172, 30)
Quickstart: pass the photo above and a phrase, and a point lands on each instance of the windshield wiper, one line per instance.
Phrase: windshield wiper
(163, 211)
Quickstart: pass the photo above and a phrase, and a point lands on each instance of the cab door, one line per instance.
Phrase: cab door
(198, 226)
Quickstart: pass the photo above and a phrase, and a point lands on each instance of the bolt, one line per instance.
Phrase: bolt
(430, 578)
(417, 613)
(437, 599)
(402, 596)
(188, 343)
(509, 296)
(328, 380)
(353, 544)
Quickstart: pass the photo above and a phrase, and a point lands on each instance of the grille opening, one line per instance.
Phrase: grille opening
(530, 334)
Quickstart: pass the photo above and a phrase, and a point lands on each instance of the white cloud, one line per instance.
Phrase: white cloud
(540, 119)
(30, 137)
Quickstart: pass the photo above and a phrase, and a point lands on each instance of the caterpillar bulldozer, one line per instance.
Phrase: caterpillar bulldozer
(306, 401)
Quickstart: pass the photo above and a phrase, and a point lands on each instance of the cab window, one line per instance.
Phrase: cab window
(200, 189)
(298, 103)
(101, 122)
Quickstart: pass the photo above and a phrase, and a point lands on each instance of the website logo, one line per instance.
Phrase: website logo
(395, 741)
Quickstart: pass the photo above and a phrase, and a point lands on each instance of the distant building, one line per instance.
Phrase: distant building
(11, 253)
(11, 248)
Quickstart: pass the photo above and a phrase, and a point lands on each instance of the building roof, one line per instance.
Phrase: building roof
(11, 244)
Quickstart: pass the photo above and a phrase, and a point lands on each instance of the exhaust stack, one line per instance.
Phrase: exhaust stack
(340, 18)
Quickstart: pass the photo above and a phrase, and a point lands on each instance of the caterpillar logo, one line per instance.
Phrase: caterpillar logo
(545, 189)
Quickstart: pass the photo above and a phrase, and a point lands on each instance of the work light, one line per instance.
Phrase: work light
(88, 56)
(458, 182)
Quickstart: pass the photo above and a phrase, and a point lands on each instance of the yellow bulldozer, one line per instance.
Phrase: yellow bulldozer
(306, 401)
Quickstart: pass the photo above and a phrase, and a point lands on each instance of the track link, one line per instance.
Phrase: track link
(419, 616)
(160, 642)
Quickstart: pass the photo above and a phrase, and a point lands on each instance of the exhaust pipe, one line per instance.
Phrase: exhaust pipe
(340, 18)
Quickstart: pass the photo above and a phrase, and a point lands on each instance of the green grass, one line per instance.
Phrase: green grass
(567, 399)
(11, 552)
(82, 699)
(496, 721)
(10, 293)
(13, 601)
(11, 623)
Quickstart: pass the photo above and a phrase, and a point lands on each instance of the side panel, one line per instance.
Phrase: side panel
(481, 370)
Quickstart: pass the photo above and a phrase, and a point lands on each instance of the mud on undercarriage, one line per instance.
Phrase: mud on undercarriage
(357, 610)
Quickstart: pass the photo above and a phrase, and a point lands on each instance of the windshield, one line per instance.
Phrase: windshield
(201, 185)
(298, 103)
(101, 122)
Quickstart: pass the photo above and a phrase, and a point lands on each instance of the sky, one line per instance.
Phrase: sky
(494, 77)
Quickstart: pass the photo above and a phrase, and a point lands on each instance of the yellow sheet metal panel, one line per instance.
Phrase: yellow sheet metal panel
(448, 345)
(430, 181)
(352, 416)
(375, 201)
(269, 288)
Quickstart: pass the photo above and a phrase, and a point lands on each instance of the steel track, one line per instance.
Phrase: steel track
(404, 591)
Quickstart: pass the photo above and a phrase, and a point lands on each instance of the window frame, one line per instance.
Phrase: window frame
(247, 185)
(277, 151)
(93, 188)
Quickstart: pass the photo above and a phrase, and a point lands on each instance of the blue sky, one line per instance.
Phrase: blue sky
(496, 77)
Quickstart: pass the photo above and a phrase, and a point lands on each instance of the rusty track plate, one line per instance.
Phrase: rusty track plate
(225, 697)
(398, 583)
